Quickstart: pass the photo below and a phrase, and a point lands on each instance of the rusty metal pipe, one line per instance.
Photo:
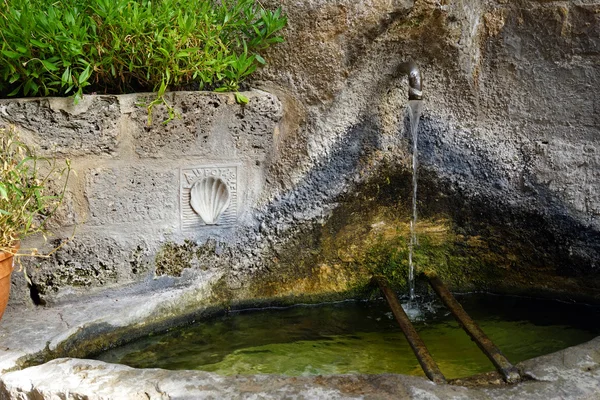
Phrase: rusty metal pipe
(508, 371)
(416, 343)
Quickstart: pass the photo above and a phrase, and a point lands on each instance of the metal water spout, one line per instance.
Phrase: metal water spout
(414, 79)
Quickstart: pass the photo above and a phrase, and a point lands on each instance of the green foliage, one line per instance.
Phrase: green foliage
(27, 200)
(241, 99)
(121, 46)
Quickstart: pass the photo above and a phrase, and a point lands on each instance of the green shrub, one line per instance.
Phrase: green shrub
(120, 46)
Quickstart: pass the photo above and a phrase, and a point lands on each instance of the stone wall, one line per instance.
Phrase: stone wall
(509, 141)
(129, 194)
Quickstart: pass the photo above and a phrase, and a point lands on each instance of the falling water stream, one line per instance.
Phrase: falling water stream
(414, 108)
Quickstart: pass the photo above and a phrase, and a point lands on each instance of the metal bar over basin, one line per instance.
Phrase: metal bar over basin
(416, 343)
(508, 371)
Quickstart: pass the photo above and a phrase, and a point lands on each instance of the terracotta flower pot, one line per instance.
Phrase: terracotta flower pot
(6, 268)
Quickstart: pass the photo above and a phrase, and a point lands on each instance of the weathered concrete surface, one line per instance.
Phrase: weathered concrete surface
(90, 128)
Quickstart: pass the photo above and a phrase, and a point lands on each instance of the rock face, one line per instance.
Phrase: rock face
(509, 138)
(509, 196)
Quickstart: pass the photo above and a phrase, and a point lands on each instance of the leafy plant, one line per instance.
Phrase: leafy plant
(27, 200)
(122, 46)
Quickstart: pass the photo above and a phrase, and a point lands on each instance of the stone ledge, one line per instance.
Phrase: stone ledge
(27, 334)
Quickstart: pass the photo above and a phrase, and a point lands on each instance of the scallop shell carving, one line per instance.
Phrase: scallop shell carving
(209, 199)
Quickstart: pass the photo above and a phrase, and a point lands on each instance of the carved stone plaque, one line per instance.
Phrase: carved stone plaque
(195, 176)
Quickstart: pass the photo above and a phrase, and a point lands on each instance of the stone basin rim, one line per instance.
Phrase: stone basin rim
(27, 333)
(555, 372)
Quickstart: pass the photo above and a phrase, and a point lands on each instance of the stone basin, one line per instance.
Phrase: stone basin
(70, 329)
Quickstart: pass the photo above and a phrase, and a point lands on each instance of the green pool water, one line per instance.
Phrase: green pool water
(361, 337)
